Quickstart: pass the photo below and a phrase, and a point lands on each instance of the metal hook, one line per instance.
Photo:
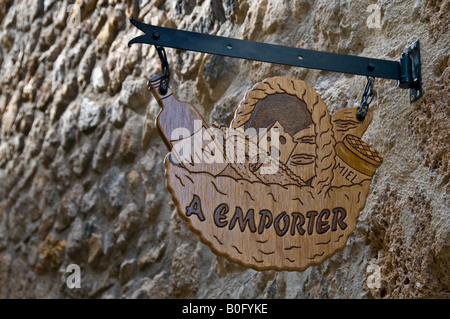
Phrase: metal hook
(164, 83)
(366, 99)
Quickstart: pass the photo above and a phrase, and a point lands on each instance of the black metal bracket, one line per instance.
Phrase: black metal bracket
(411, 74)
(407, 71)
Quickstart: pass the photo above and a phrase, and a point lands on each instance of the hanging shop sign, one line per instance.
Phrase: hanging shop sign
(282, 186)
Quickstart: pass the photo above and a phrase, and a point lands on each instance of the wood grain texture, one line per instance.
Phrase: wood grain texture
(296, 216)
(174, 113)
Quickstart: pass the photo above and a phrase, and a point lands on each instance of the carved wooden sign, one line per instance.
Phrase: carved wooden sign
(282, 187)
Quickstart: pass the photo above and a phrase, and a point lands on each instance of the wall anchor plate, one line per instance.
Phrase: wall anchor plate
(410, 72)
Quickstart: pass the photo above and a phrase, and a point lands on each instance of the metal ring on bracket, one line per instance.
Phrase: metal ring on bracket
(366, 99)
(164, 84)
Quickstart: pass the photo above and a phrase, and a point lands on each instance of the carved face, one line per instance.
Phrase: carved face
(297, 138)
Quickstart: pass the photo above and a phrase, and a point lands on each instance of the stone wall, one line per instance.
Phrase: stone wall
(81, 163)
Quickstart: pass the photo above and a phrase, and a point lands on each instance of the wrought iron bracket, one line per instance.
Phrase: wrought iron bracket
(407, 71)
(410, 72)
